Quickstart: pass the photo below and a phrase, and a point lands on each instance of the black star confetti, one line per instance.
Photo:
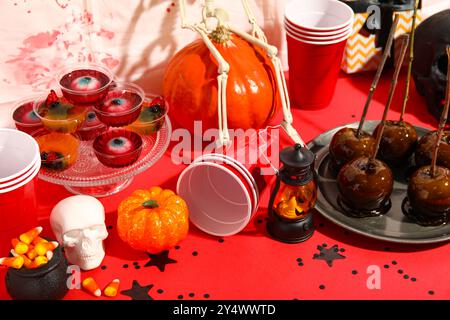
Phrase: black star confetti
(138, 292)
(328, 255)
(160, 260)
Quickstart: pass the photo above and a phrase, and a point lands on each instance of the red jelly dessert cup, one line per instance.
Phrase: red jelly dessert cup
(85, 83)
(92, 127)
(152, 116)
(58, 151)
(118, 148)
(25, 118)
(61, 115)
(121, 106)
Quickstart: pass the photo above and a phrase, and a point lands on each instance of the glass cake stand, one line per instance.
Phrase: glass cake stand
(89, 177)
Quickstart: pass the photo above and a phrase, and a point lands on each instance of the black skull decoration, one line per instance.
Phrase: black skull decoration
(430, 60)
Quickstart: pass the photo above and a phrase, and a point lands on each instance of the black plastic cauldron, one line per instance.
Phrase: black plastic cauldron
(49, 282)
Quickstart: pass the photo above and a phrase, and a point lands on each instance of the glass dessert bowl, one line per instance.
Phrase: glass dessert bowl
(25, 118)
(121, 106)
(58, 114)
(91, 127)
(85, 83)
(118, 148)
(152, 116)
(58, 151)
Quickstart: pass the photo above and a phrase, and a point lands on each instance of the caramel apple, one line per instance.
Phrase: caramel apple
(399, 138)
(365, 184)
(398, 142)
(429, 196)
(365, 187)
(424, 152)
(348, 143)
(346, 146)
(428, 201)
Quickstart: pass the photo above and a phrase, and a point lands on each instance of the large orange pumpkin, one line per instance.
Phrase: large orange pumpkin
(190, 84)
(153, 220)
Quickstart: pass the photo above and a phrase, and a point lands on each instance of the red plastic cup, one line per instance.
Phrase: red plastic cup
(19, 168)
(313, 70)
(14, 182)
(18, 212)
(319, 15)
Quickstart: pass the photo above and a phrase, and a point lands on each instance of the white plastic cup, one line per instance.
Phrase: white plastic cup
(319, 15)
(12, 183)
(222, 195)
(316, 33)
(318, 42)
(23, 182)
(249, 179)
(300, 34)
(19, 152)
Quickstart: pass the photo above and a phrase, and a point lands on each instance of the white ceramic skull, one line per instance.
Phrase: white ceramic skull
(78, 223)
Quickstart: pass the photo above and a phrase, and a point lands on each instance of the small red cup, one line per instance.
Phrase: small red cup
(313, 70)
(19, 166)
(128, 94)
(319, 15)
(24, 117)
(18, 211)
(82, 94)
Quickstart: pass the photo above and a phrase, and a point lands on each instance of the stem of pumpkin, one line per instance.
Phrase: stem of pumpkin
(221, 35)
(151, 204)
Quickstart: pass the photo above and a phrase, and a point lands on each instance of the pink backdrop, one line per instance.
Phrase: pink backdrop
(134, 37)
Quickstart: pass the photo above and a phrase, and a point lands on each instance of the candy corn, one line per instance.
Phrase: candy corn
(32, 253)
(26, 262)
(38, 240)
(14, 262)
(42, 247)
(91, 286)
(112, 288)
(49, 255)
(19, 246)
(38, 261)
(29, 236)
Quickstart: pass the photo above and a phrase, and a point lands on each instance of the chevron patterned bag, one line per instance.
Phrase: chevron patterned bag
(373, 20)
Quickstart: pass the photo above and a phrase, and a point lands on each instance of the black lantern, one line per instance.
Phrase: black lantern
(293, 196)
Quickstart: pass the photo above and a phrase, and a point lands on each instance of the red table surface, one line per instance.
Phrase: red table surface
(251, 265)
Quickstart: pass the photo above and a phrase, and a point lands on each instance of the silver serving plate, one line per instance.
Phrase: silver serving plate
(393, 226)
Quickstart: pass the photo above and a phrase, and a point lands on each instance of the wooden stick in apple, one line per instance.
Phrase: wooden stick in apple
(410, 62)
(394, 82)
(443, 120)
(386, 54)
